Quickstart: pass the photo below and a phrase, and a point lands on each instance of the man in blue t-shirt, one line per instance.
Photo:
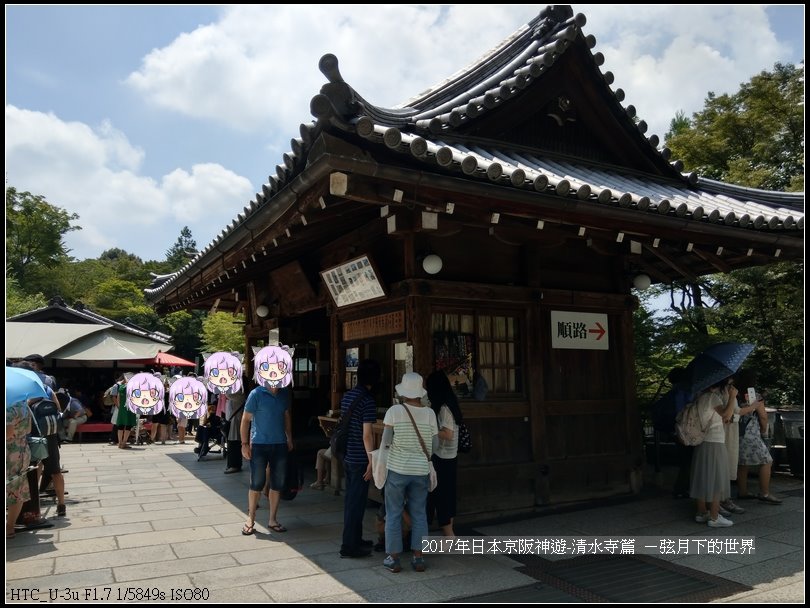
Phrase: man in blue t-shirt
(270, 434)
(357, 462)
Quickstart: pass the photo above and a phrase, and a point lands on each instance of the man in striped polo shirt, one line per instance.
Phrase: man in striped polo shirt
(357, 462)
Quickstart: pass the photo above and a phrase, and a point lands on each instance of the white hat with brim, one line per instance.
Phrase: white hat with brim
(411, 386)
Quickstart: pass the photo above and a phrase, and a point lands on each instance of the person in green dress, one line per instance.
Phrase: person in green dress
(126, 419)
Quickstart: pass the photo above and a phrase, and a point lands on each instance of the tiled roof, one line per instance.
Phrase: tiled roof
(696, 198)
(427, 128)
(487, 84)
(83, 314)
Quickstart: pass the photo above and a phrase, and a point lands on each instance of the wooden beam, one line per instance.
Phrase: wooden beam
(712, 259)
(652, 270)
(363, 190)
(684, 272)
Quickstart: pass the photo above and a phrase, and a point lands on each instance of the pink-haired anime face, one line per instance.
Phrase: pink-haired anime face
(273, 367)
(223, 373)
(145, 394)
(187, 398)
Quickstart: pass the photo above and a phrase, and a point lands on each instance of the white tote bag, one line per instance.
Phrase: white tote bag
(379, 466)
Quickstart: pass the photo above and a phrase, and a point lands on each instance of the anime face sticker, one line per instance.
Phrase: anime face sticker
(145, 394)
(223, 373)
(187, 398)
(273, 367)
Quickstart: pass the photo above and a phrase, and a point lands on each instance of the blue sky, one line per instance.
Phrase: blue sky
(144, 119)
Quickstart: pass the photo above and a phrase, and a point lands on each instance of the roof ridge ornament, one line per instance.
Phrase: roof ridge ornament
(337, 98)
(550, 17)
(329, 67)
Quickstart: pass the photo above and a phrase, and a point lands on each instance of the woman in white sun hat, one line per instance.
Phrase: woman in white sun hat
(410, 429)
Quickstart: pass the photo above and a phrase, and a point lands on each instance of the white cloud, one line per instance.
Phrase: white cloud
(668, 58)
(199, 197)
(257, 67)
(95, 173)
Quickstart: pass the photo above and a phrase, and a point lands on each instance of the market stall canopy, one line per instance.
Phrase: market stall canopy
(77, 342)
(165, 359)
(22, 339)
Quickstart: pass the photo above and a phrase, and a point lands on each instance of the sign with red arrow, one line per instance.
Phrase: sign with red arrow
(582, 330)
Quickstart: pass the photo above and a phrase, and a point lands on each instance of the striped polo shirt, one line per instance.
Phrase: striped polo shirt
(365, 410)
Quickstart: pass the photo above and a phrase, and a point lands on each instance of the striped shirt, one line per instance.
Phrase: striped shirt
(406, 456)
(364, 410)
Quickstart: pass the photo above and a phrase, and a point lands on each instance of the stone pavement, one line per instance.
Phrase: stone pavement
(154, 520)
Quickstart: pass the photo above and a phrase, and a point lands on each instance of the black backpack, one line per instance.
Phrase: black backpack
(46, 413)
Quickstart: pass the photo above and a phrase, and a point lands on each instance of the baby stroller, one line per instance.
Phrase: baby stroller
(210, 438)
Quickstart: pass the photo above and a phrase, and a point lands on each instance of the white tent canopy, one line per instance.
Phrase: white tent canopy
(78, 342)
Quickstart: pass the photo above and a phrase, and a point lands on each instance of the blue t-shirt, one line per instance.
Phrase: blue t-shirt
(365, 410)
(267, 426)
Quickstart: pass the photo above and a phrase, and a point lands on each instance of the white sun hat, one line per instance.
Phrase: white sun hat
(411, 386)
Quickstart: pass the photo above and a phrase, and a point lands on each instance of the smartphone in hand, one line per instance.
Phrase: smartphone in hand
(752, 395)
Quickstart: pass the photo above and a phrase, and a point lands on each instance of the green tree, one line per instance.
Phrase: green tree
(126, 266)
(35, 230)
(178, 254)
(765, 306)
(18, 302)
(74, 280)
(185, 328)
(120, 300)
(754, 137)
(223, 331)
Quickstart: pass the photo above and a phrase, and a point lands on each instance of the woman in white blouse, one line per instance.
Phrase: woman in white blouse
(448, 414)
(709, 478)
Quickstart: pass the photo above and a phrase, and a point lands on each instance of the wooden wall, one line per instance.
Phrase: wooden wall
(569, 431)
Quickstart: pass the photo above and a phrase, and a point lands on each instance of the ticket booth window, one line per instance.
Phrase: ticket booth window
(468, 344)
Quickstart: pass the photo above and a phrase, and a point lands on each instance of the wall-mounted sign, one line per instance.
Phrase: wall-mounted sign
(583, 330)
(352, 282)
(378, 325)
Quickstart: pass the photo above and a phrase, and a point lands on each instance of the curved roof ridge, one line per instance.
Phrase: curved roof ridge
(549, 21)
(519, 61)
(492, 71)
(790, 199)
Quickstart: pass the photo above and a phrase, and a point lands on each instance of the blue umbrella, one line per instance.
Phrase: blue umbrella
(715, 364)
(21, 385)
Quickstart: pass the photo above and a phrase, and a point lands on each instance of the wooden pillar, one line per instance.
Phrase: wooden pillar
(337, 360)
(419, 324)
(635, 457)
(535, 351)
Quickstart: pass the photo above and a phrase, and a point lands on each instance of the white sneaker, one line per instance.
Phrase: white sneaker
(720, 522)
(702, 518)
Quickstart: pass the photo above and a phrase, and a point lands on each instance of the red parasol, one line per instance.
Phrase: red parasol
(165, 359)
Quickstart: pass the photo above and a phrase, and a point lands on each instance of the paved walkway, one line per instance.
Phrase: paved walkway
(153, 518)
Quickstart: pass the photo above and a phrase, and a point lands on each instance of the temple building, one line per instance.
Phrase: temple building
(492, 227)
